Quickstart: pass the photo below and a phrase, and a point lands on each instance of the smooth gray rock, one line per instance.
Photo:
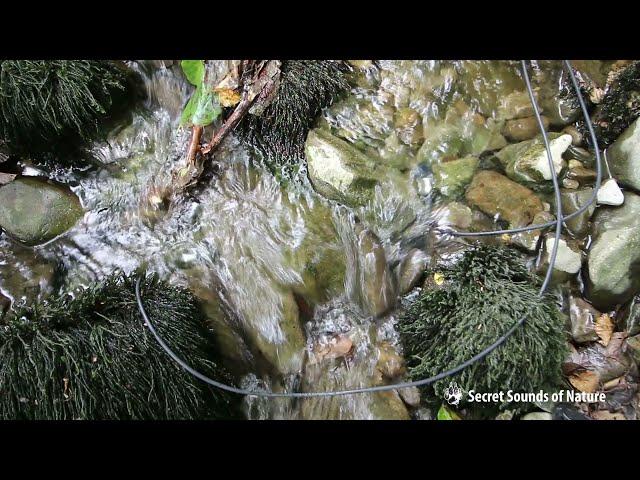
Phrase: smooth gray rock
(338, 170)
(34, 211)
(615, 254)
(624, 156)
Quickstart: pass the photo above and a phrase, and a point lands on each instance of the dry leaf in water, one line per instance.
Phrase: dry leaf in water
(604, 328)
(338, 346)
(585, 381)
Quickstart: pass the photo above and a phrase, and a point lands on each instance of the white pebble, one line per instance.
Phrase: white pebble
(610, 193)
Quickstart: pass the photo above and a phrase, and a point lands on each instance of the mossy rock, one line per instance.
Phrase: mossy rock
(46, 105)
(279, 132)
(451, 177)
(89, 356)
(479, 298)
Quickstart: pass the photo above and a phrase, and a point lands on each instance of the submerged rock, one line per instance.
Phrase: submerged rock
(444, 141)
(338, 170)
(572, 201)
(453, 176)
(624, 157)
(411, 269)
(529, 239)
(454, 214)
(520, 129)
(527, 161)
(284, 352)
(615, 253)
(496, 195)
(515, 105)
(378, 290)
(34, 211)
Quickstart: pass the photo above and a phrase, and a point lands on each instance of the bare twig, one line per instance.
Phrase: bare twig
(194, 143)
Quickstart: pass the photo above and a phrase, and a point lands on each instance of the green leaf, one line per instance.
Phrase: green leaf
(446, 413)
(207, 109)
(202, 109)
(194, 71)
(187, 113)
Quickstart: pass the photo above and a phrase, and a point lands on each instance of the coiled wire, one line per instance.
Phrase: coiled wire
(558, 223)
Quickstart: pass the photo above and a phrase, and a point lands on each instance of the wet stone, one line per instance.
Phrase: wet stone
(451, 177)
(520, 129)
(572, 200)
(615, 254)
(496, 195)
(411, 269)
(338, 170)
(623, 156)
(34, 211)
(528, 162)
(568, 260)
(378, 288)
(583, 316)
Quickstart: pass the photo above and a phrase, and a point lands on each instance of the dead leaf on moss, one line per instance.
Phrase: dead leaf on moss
(228, 97)
(585, 381)
(604, 328)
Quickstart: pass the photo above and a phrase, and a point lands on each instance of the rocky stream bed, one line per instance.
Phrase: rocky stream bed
(303, 281)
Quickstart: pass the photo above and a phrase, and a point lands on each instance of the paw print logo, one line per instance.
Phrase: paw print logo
(453, 394)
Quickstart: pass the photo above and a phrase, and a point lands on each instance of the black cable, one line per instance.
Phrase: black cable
(552, 259)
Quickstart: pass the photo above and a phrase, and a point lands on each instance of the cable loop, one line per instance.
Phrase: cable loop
(427, 381)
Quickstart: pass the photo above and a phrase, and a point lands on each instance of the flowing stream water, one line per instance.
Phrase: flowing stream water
(300, 291)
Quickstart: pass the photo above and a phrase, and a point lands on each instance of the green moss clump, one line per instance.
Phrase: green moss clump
(279, 133)
(42, 101)
(619, 107)
(484, 294)
(90, 357)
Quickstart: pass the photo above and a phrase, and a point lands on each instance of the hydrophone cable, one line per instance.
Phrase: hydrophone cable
(426, 381)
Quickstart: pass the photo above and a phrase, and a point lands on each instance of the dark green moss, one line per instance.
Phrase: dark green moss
(484, 294)
(43, 102)
(279, 133)
(90, 357)
(619, 107)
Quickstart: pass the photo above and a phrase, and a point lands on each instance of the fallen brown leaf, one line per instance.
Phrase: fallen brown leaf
(604, 328)
(338, 346)
(585, 381)
(228, 97)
